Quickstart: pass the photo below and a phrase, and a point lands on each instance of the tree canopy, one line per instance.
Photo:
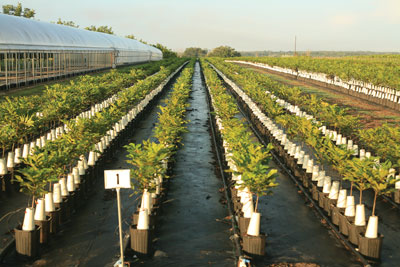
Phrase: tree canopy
(130, 36)
(167, 53)
(104, 29)
(194, 52)
(18, 11)
(224, 51)
(67, 23)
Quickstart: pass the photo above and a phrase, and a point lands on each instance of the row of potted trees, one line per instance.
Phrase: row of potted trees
(247, 161)
(55, 170)
(363, 172)
(26, 120)
(382, 140)
(150, 160)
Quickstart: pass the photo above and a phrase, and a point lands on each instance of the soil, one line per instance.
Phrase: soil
(371, 114)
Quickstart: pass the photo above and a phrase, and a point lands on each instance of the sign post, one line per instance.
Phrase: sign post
(117, 179)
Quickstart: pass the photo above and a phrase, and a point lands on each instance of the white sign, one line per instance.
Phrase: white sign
(117, 179)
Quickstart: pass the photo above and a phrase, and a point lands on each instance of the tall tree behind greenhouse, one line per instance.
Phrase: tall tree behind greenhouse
(18, 11)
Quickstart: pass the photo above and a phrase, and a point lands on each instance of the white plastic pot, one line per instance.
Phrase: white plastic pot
(248, 208)
(29, 223)
(63, 186)
(334, 193)
(25, 151)
(327, 185)
(85, 163)
(40, 210)
(75, 173)
(3, 166)
(315, 173)
(350, 208)
(372, 228)
(10, 159)
(254, 225)
(360, 215)
(57, 198)
(92, 159)
(18, 155)
(32, 148)
(310, 166)
(146, 201)
(49, 202)
(321, 179)
(342, 199)
(70, 183)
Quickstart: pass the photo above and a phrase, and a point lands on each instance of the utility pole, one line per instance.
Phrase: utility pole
(295, 40)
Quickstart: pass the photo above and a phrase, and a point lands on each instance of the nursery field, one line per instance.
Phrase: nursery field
(229, 162)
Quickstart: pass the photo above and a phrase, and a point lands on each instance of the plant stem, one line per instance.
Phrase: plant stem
(351, 189)
(256, 204)
(33, 201)
(373, 207)
(361, 191)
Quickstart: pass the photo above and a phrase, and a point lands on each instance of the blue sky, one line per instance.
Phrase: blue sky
(245, 25)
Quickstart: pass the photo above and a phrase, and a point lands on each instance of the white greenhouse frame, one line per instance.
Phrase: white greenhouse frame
(32, 51)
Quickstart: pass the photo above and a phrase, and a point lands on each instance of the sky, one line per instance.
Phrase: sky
(252, 25)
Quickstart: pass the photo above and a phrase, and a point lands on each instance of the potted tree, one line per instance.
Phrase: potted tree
(259, 178)
(359, 168)
(33, 181)
(147, 161)
(381, 182)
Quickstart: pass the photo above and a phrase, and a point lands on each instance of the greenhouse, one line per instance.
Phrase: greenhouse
(33, 51)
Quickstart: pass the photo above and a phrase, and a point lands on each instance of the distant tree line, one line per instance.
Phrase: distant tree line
(221, 51)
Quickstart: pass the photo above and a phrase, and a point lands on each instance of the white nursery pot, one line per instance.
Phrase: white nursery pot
(350, 208)
(85, 163)
(75, 173)
(92, 159)
(49, 203)
(63, 186)
(32, 148)
(372, 228)
(342, 199)
(57, 197)
(81, 168)
(18, 155)
(10, 159)
(146, 201)
(327, 185)
(25, 151)
(315, 173)
(334, 193)
(29, 223)
(3, 166)
(70, 183)
(360, 215)
(248, 208)
(143, 220)
(321, 179)
(310, 165)
(254, 225)
(40, 211)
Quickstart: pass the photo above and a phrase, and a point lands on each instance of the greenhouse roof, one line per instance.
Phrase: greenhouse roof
(17, 33)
